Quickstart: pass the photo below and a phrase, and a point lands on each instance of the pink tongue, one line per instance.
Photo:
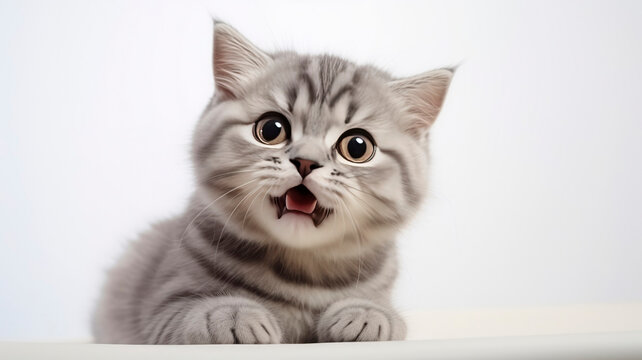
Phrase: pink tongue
(300, 199)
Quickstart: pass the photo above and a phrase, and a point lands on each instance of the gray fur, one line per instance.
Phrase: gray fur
(228, 270)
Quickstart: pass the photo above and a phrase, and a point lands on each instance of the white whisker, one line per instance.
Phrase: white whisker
(180, 241)
(359, 239)
(252, 203)
(229, 217)
(230, 173)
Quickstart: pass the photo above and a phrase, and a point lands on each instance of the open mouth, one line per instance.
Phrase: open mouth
(300, 200)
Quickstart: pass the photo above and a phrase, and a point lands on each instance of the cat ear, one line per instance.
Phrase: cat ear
(423, 96)
(236, 60)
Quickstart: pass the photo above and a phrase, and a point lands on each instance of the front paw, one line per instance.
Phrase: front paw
(231, 320)
(359, 320)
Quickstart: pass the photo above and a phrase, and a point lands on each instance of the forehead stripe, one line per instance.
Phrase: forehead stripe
(292, 95)
(312, 93)
(345, 89)
(352, 108)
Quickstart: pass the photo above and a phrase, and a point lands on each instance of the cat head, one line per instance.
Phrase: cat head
(312, 151)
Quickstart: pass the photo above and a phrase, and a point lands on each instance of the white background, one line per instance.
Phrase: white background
(536, 194)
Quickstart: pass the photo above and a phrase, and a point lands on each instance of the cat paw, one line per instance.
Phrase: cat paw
(231, 320)
(359, 320)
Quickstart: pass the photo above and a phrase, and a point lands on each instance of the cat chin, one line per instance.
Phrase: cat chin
(297, 230)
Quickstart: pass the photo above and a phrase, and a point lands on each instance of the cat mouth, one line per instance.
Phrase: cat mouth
(301, 200)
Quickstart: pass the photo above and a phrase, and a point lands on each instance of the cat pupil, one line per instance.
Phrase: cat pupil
(271, 130)
(357, 147)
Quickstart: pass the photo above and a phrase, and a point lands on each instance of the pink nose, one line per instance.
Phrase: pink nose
(305, 166)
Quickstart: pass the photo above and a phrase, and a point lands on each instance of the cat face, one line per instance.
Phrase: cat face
(312, 151)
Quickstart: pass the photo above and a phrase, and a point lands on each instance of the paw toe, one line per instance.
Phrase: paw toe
(235, 324)
(362, 323)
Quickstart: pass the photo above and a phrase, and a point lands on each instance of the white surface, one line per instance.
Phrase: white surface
(536, 195)
(613, 346)
(523, 321)
(563, 332)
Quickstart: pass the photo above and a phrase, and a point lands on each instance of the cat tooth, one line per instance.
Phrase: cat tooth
(279, 203)
(319, 215)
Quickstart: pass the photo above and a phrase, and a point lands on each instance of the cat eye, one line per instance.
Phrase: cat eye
(356, 145)
(272, 128)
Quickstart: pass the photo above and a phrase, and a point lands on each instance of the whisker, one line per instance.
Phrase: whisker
(363, 201)
(343, 221)
(359, 240)
(229, 173)
(180, 241)
(252, 203)
(229, 217)
(225, 284)
(375, 212)
(265, 194)
(377, 197)
(219, 175)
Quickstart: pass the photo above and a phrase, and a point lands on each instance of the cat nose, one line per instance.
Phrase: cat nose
(305, 166)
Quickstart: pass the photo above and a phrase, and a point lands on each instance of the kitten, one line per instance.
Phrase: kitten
(306, 168)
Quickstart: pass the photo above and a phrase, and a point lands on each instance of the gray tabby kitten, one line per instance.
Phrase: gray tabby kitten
(306, 168)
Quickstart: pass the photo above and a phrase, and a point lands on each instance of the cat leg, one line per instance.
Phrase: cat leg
(360, 320)
(216, 320)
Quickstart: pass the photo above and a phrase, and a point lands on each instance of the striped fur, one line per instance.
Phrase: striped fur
(228, 270)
